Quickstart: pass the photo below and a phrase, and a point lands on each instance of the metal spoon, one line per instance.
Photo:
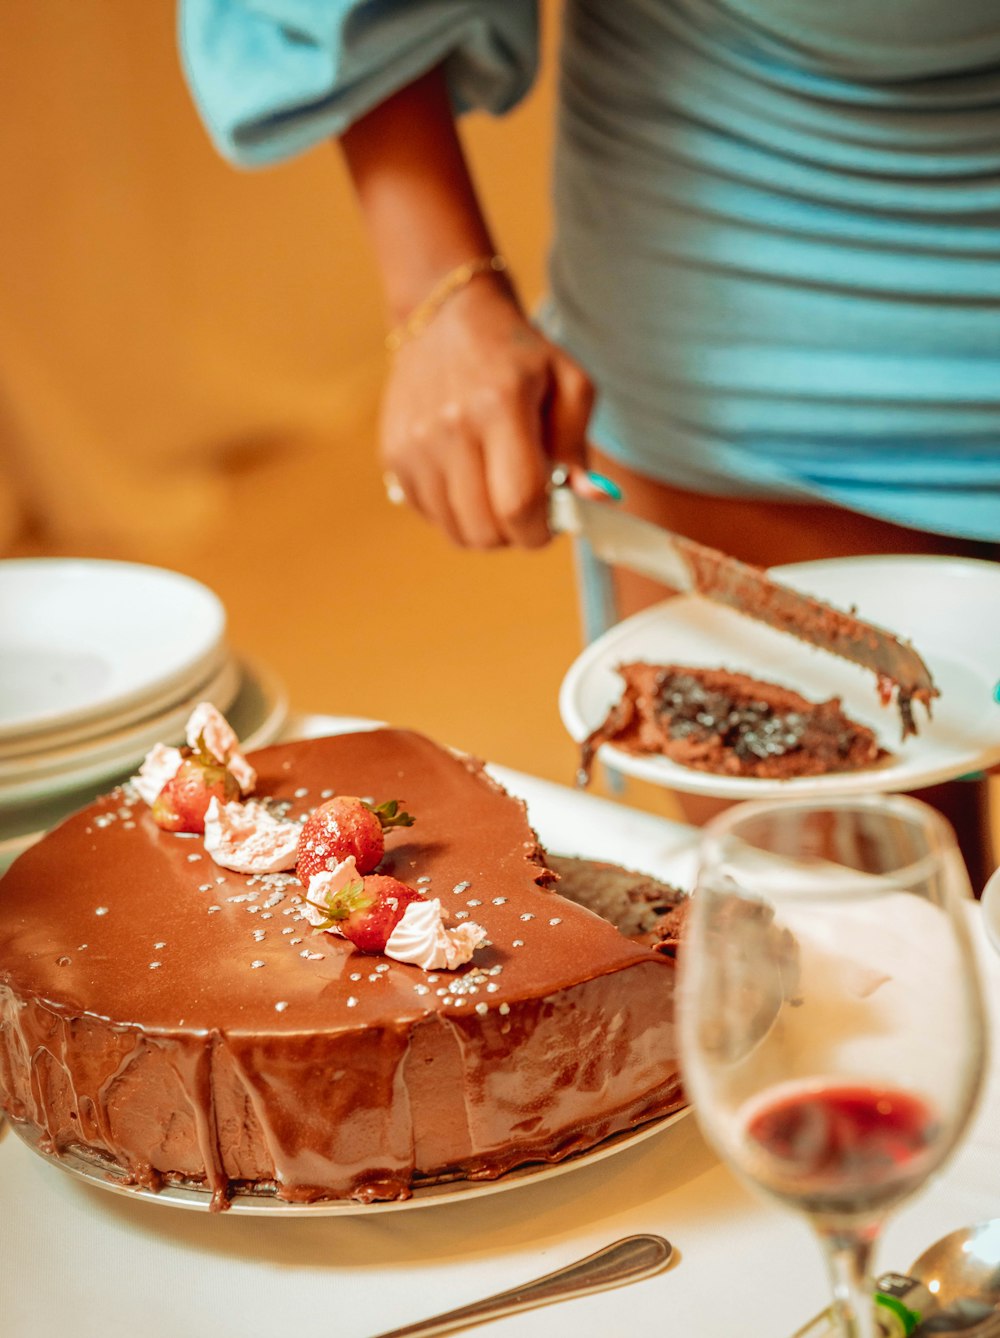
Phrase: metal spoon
(962, 1273)
(625, 1260)
(965, 1263)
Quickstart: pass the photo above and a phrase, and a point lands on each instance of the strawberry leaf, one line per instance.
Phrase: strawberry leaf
(341, 904)
(389, 814)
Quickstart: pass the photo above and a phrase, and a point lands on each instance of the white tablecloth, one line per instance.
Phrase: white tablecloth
(83, 1262)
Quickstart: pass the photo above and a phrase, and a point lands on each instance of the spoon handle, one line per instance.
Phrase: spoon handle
(625, 1260)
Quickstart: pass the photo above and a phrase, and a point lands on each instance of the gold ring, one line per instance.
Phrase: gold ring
(393, 489)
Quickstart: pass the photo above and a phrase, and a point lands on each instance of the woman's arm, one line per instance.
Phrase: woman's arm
(478, 404)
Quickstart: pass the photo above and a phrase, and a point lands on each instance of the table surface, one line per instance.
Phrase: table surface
(82, 1261)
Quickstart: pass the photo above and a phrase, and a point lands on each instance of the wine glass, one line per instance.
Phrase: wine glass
(831, 1021)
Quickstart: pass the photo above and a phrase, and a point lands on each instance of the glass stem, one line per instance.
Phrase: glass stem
(848, 1260)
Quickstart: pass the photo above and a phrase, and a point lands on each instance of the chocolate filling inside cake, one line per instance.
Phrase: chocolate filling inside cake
(730, 724)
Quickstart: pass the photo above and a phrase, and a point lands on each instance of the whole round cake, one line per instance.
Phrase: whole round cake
(179, 1021)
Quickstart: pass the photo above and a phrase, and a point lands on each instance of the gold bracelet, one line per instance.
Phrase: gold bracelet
(424, 312)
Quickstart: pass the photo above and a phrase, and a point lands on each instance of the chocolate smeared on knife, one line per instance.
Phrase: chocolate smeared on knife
(693, 568)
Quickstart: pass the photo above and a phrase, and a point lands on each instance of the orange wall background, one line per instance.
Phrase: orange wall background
(161, 310)
(190, 359)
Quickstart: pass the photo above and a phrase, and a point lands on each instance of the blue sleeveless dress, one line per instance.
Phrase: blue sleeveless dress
(777, 243)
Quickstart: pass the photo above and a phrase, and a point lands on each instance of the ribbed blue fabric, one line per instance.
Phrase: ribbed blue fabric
(777, 243)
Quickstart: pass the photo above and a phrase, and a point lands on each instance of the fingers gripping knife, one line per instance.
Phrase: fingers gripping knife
(692, 568)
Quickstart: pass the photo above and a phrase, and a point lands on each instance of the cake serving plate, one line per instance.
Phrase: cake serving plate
(945, 606)
(102, 1176)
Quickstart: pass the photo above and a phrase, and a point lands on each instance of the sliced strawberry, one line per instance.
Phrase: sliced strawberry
(181, 804)
(344, 826)
(367, 910)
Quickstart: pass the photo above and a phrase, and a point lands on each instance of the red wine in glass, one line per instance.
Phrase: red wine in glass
(840, 1148)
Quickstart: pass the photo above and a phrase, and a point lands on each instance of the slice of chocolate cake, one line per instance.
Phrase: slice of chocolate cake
(643, 908)
(722, 722)
(179, 1021)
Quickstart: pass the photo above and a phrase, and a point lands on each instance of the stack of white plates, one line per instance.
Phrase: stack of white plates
(98, 662)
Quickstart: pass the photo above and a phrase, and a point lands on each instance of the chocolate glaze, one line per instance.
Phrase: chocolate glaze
(371, 1075)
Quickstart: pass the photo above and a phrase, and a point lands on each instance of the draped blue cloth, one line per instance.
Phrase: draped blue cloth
(777, 243)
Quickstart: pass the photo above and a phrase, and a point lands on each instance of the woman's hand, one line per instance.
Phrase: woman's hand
(477, 410)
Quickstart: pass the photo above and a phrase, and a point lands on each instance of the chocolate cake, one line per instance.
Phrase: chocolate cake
(179, 1022)
(729, 724)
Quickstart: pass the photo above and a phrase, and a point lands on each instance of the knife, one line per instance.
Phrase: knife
(692, 568)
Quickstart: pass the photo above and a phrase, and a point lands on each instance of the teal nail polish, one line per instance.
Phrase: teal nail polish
(973, 776)
(612, 490)
(996, 694)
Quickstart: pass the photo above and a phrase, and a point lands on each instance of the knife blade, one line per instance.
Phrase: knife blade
(693, 568)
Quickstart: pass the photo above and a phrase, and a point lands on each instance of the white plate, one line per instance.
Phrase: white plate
(991, 909)
(109, 748)
(19, 749)
(81, 638)
(453, 1191)
(947, 607)
(25, 780)
(257, 714)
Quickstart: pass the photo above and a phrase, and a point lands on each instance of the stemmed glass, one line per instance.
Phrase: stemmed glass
(831, 1020)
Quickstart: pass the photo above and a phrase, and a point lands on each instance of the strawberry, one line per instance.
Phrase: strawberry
(181, 804)
(343, 826)
(367, 910)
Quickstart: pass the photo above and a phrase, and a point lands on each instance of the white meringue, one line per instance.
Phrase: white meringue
(248, 839)
(159, 766)
(422, 938)
(207, 723)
